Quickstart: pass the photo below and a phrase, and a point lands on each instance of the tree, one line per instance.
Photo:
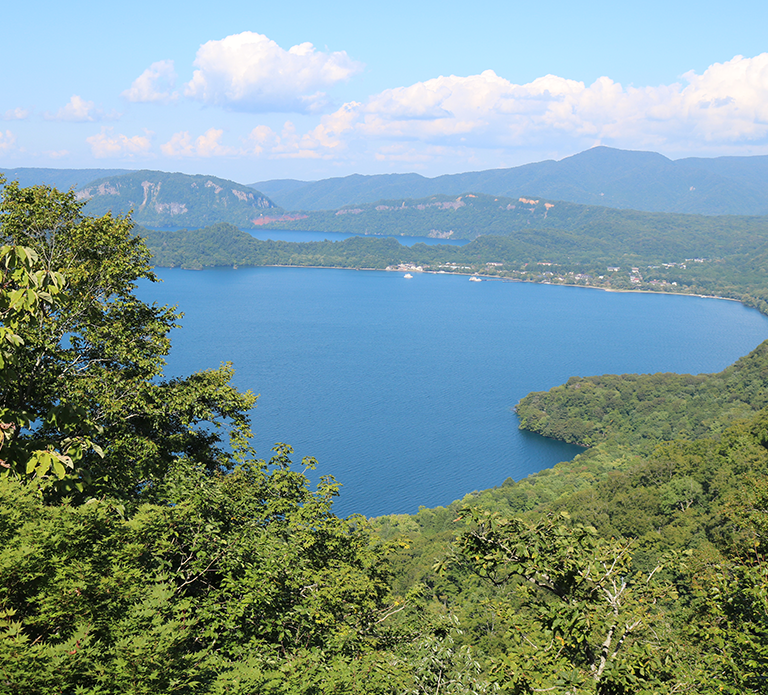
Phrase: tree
(729, 619)
(85, 379)
(580, 617)
(23, 293)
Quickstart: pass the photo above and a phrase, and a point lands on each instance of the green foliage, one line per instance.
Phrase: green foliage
(730, 605)
(83, 390)
(643, 409)
(581, 616)
(161, 562)
(684, 522)
(176, 596)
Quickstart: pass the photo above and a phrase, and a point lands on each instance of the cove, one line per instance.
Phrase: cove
(403, 389)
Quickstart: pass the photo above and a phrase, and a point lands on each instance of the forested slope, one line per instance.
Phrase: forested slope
(648, 408)
(174, 200)
(688, 513)
(651, 235)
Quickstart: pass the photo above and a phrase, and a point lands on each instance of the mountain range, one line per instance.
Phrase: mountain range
(599, 176)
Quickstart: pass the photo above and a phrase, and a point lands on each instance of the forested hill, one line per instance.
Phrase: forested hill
(691, 513)
(645, 409)
(611, 249)
(599, 176)
(175, 200)
(470, 215)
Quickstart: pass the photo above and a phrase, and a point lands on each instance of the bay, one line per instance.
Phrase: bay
(305, 236)
(290, 235)
(403, 389)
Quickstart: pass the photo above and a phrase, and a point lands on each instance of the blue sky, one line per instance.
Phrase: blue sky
(254, 90)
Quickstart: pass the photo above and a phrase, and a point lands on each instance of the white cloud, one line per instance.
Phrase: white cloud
(262, 138)
(106, 144)
(17, 114)
(206, 145)
(250, 72)
(479, 120)
(7, 141)
(729, 101)
(180, 145)
(78, 109)
(155, 84)
(726, 105)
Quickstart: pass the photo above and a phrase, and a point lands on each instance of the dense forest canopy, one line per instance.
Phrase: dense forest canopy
(144, 548)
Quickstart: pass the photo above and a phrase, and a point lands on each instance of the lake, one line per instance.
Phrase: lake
(291, 235)
(404, 389)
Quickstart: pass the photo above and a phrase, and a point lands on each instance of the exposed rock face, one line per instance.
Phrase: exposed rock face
(106, 188)
(439, 204)
(168, 200)
(171, 208)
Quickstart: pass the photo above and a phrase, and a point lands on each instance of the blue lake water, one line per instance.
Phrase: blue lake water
(292, 235)
(403, 389)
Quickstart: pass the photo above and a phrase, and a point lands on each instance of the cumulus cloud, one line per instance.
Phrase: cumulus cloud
(727, 104)
(78, 109)
(475, 119)
(206, 145)
(17, 114)
(729, 100)
(261, 139)
(155, 84)
(108, 144)
(7, 141)
(250, 72)
(486, 110)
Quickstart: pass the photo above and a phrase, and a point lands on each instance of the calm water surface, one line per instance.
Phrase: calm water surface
(290, 235)
(404, 389)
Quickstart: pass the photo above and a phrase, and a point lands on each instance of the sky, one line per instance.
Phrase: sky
(252, 91)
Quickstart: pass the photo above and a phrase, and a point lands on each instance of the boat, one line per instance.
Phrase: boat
(408, 276)
(474, 278)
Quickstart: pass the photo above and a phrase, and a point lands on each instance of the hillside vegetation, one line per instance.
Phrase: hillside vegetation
(606, 230)
(676, 479)
(645, 409)
(600, 176)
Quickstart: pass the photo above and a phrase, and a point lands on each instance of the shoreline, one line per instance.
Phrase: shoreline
(487, 278)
